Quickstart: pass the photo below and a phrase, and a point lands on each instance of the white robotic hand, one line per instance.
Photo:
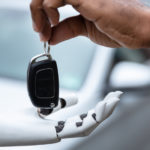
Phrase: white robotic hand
(32, 130)
(84, 124)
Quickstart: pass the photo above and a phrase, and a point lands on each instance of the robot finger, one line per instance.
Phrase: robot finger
(109, 96)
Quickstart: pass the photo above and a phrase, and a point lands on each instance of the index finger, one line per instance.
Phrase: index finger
(42, 10)
(38, 16)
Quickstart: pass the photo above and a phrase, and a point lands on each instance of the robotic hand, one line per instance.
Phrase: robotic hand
(27, 128)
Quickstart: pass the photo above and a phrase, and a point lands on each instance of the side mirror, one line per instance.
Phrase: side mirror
(129, 75)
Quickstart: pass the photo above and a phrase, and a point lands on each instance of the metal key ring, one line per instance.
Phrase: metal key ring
(46, 49)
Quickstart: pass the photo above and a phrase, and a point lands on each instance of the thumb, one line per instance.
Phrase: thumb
(67, 29)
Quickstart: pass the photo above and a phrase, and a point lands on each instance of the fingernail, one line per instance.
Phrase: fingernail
(35, 27)
(52, 22)
(42, 38)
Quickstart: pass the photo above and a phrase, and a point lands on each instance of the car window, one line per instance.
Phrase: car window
(125, 54)
(18, 44)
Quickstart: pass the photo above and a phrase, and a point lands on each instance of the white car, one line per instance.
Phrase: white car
(84, 68)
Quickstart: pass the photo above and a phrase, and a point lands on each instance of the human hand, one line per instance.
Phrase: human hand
(109, 23)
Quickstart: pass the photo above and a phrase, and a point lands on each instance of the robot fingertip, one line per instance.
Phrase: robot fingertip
(71, 99)
(118, 94)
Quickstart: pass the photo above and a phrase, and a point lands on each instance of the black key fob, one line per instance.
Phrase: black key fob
(43, 82)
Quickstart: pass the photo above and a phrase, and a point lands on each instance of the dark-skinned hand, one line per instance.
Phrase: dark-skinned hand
(111, 23)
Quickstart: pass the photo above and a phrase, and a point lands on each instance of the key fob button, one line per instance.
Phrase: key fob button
(45, 83)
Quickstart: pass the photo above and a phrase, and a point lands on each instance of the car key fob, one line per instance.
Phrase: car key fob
(43, 82)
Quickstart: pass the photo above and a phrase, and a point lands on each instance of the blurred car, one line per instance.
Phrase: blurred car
(128, 127)
(87, 69)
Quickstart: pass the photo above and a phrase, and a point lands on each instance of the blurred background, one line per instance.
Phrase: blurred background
(86, 69)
